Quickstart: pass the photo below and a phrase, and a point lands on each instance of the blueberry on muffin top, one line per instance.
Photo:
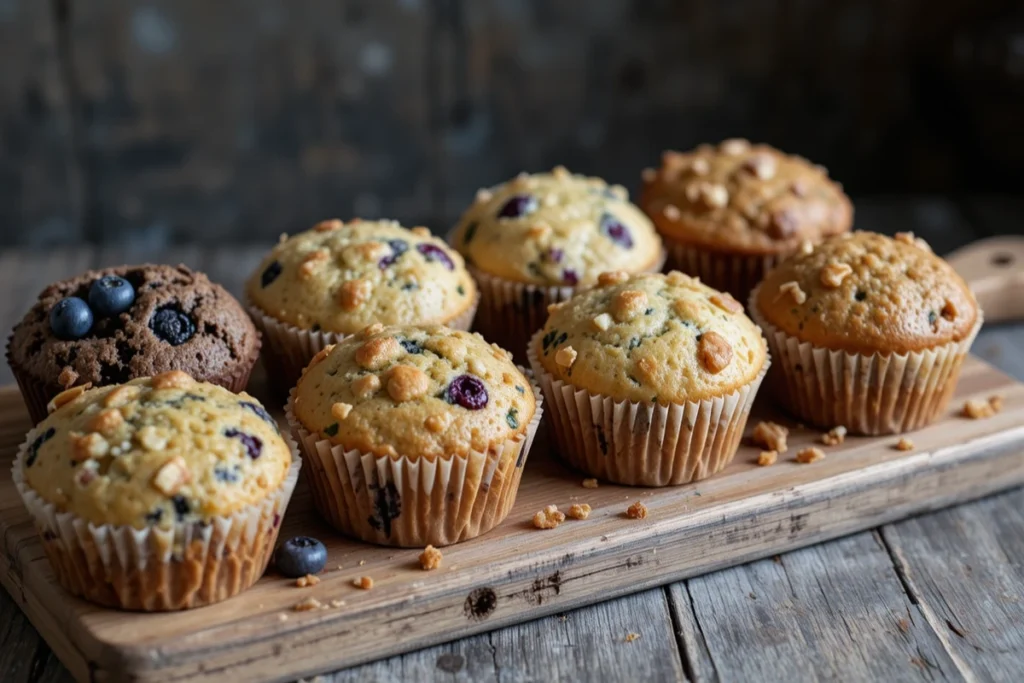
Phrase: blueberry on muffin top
(419, 392)
(651, 337)
(154, 452)
(868, 293)
(739, 197)
(341, 277)
(556, 229)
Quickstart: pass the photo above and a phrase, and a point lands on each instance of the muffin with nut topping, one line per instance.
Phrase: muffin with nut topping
(414, 435)
(158, 494)
(868, 332)
(728, 213)
(535, 239)
(321, 285)
(651, 377)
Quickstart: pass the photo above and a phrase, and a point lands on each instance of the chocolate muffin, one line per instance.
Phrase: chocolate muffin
(114, 325)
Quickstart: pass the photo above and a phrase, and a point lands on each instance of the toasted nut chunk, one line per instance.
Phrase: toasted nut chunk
(792, 288)
(555, 306)
(67, 377)
(407, 382)
(671, 212)
(602, 322)
(430, 558)
(714, 351)
(328, 225)
(378, 352)
(366, 386)
(809, 455)
(590, 483)
(628, 304)
(579, 510)
(548, 518)
(306, 605)
(834, 436)
(88, 446)
(339, 411)
(806, 247)
(421, 231)
(151, 438)
(121, 395)
(726, 302)
(106, 422)
(783, 223)
(354, 293)
(630, 637)
(452, 348)
(364, 582)
(678, 279)
(771, 436)
(307, 581)
(948, 310)
(67, 396)
(700, 166)
(437, 423)
(637, 510)
(762, 165)
(766, 458)
(904, 444)
(734, 146)
(172, 379)
(565, 356)
(833, 274)
(174, 474)
(647, 368)
(370, 330)
(483, 195)
(83, 477)
(977, 408)
(612, 277)
(312, 261)
(904, 237)
(715, 196)
(687, 309)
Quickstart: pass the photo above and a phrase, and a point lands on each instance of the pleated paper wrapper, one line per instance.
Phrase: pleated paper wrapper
(868, 394)
(413, 502)
(288, 349)
(733, 273)
(156, 569)
(510, 312)
(644, 444)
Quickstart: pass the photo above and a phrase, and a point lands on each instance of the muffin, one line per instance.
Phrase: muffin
(650, 377)
(869, 332)
(158, 494)
(414, 435)
(111, 326)
(729, 213)
(324, 284)
(534, 240)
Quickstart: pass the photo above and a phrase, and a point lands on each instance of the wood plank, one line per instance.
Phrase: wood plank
(517, 573)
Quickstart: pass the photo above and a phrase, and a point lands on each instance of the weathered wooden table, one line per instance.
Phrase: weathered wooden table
(938, 597)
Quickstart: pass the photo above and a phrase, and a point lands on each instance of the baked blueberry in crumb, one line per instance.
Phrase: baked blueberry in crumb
(300, 556)
(411, 346)
(432, 252)
(467, 391)
(398, 247)
(518, 206)
(618, 233)
(512, 418)
(111, 295)
(570, 277)
(172, 325)
(261, 412)
(271, 273)
(253, 444)
(33, 449)
(554, 255)
(181, 507)
(331, 429)
(71, 319)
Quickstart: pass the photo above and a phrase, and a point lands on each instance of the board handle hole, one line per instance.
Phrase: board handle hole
(1002, 259)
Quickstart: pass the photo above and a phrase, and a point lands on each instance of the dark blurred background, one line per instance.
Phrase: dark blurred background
(155, 122)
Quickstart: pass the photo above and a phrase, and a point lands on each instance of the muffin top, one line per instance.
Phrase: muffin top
(177, 320)
(419, 392)
(556, 229)
(739, 197)
(153, 452)
(867, 293)
(664, 338)
(341, 277)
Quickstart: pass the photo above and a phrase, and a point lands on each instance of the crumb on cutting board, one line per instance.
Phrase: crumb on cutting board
(771, 436)
(364, 582)
(977, 408)
(307, 580)
(579, 510)
(306, 605)
(904, 444)
(766, 458)
(808, 455)
(430, 558)
(834, 436)
(548, 518)
(637, 511)
(590, 483)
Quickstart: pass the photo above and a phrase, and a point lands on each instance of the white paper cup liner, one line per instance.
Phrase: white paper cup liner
(868, 394)
(644, 444)
(288, 349)
(156, 569)
(413, 502)
(510, 312)
(733, 273)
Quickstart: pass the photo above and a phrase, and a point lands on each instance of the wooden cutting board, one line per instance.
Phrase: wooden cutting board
(516, 572)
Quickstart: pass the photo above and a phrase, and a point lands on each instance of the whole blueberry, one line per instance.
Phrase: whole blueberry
(172, 325)
(111, 295)
(614, 230)
(270, 273)
(398, 247)
(253, 444)
(71, 318)
(570, 277)
(432, 252)
(467, 391)
(518, 205)
(300, 556)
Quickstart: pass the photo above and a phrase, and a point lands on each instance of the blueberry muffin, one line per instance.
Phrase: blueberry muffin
(652, 377)
(414, 435)
(532, 241)
(158, 494)
(728, 213)
(321, 285)
(113, 325)
(869, 332)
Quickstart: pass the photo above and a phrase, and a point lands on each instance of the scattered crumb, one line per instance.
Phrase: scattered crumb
(307, 580)
(548, 518)
(904, 444)
(809, 455)
(771, 436)
(777, 559)
(340, 567)
(578, 511)
(337, 603)
(766, 458)
(903, 624)
(362, 562)
(306, 605)
(637, 511)
(834, 436)
(630, 637)
(751, 595)
(282, 617)
(977, 408)
(364, 582)
(430, 558)
(590, 483)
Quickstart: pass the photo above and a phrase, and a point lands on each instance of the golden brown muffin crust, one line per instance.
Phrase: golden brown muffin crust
(867, 293)
(742, 198)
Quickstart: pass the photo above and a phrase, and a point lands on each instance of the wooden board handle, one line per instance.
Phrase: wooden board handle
(994, 268)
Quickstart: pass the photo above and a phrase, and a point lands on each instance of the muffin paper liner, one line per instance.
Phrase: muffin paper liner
(413, 502)
(289, 349)
(868, 394)
(733, 273)
(37, 393)
(510, 312)
(156, 569)
(644, 444)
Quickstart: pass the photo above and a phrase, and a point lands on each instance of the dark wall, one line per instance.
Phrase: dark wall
(182, 120)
